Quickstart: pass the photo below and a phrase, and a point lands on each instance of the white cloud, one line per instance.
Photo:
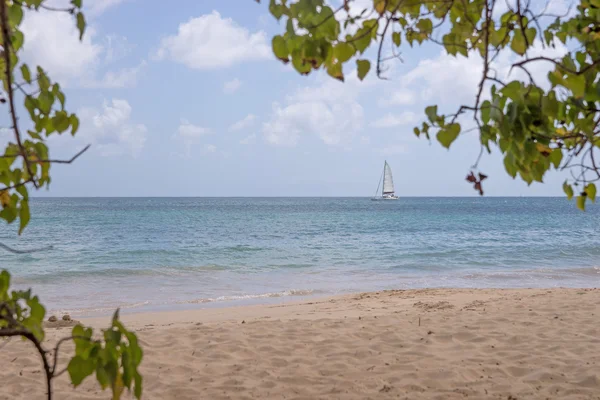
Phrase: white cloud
(399, 98)
(210, 41)
(52, 41)
(191, 134)
(451, 80)
(110, 129)
(190, 131)
(391, 120)
(125, 77)
(116, 48)
(445, 78)
(232, 86)
(210, 148)
(244, 123)
(248, 139)
(330, 111)
(97, 7)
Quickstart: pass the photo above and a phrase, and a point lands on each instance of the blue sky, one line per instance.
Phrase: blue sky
(187, 100)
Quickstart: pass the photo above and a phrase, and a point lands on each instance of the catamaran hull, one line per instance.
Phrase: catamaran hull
(384, 198)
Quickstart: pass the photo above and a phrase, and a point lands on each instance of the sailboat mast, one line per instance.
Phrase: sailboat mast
(379, 183)
(383, 178)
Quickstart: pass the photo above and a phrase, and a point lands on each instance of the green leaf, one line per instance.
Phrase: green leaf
(518, 43)
(510, 166)
(397, 38)
(43, 81)
(431, 113)
(80, 24)
(335, 71)
(17, 41)
(76, 3)
(362, 39)
(530, 34)
(568, 189)
(61, 121)
(36, 310)
(74, 124)
(4, 285)
(448, 134)
(138, 385)
(513, 90)
(576, 83)
(590, 190)
(79, 369)
(25, 72)
(485, 111)
(23, 215)
(425, 25)
(45, 101)
(556, 157)
(363, 67)
(102, 376)
(343, 51)
(280, 48)
(581, 202)
(15, 14)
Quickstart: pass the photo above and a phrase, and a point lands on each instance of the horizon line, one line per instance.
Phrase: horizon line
(285, 197)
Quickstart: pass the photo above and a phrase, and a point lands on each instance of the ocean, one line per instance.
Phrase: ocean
(148, 254)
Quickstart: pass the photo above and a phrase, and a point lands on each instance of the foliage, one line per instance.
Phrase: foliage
(537, 124)
(114, 359)
(26, 159)
(116, 356)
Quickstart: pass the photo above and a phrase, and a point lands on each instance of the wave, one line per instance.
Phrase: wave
(96, 311)
(285, 293)
(548, 273)
(241, 249)
(58, 275)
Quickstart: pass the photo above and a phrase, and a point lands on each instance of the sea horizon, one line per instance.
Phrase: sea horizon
(290, 197)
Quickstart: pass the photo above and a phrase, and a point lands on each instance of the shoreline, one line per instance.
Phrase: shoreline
(417, 344)
(297, 308)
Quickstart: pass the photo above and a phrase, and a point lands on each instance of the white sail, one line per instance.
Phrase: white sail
(388, 180)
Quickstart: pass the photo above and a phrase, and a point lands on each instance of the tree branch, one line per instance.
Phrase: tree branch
(8, 73)
(10, 249)
(75, 157)
(31, 337)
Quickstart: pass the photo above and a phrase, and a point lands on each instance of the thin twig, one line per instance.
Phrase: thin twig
(66, 161)
(10, 249)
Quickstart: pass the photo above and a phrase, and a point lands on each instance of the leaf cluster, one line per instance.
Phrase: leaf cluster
(539, 123)
(114, 358)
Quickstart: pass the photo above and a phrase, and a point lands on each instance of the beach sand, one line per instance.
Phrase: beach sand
(413, 344)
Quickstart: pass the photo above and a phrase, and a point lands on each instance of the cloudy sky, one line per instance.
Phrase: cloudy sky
(187, 100)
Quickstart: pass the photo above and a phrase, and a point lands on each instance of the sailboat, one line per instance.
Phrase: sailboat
(387, 191)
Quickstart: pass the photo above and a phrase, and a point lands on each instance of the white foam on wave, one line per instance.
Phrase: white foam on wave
(100, 310)
(285, 293)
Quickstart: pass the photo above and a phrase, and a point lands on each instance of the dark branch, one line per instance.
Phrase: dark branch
(8, 76)
(66, 161)
(10, 249)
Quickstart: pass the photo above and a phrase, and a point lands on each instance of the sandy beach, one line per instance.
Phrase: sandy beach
(413, 344)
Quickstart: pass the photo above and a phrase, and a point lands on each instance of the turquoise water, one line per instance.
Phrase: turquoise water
(156, 253)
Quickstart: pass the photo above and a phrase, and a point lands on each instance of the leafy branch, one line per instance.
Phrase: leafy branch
(115, 356)
(536, 128)
(114, 360)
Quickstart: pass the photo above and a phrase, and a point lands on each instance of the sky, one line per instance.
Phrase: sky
(186, 99)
